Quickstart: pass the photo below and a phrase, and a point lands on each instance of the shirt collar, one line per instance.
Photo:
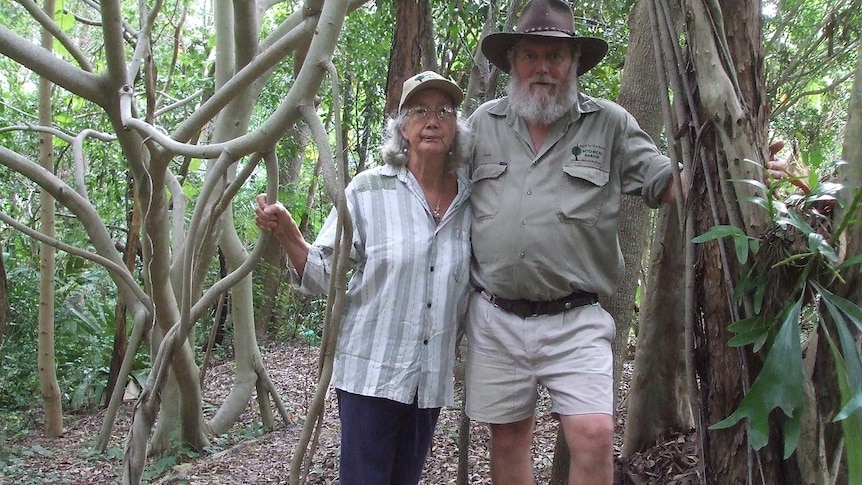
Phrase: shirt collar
(388, 170)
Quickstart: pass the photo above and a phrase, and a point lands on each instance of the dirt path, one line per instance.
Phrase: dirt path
(246, 455)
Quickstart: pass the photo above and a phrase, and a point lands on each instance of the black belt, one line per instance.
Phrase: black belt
(529, 308)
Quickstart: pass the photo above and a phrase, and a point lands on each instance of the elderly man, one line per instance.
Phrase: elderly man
(550, 164)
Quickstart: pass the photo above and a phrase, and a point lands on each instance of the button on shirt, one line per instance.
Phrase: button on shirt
(546, 219)
(407, 294)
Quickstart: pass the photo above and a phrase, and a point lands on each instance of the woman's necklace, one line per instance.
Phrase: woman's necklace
(435, 212)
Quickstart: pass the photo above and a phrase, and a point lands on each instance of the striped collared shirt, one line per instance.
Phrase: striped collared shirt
(408, 293)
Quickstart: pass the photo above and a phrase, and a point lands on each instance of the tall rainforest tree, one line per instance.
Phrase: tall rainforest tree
(51, 397)
(720, 109)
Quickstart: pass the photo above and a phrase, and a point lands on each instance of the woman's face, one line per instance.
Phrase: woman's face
(430, 123)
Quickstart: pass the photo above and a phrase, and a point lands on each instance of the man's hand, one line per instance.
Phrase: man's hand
(779, 169)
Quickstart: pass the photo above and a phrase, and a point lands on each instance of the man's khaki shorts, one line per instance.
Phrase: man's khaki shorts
(508, 357)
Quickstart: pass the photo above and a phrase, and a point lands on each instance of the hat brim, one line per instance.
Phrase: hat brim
(444, 85)
(496, 48)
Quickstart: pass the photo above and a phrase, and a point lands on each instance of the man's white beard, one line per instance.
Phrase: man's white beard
(541, 107)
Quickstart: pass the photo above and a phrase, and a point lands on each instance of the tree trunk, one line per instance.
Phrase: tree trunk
(639, 90)
(130, 257)
(658, 402)
(725, 54)
(405, 60)
(4, 297)
(51, 397)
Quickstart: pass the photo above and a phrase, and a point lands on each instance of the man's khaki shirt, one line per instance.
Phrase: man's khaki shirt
(546, 219)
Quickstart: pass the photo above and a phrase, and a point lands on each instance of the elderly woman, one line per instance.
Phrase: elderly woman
(411, 252)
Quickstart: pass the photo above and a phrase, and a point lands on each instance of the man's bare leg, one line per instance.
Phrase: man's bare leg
(590, 440)
(511, 459)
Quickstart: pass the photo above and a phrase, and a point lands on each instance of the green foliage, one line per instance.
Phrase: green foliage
(806, 267)
(18, 376)
(810, 50)
(779, 384)
(84, 335)
(297, 317)
(849, 378)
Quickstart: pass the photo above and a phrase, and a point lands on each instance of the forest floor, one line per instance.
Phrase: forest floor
(247, 455)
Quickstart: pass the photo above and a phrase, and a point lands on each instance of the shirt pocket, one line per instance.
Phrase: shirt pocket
(488, 182)
(581, 197)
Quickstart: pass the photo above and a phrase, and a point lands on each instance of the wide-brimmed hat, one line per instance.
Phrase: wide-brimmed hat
(427, 80)
(544, 18)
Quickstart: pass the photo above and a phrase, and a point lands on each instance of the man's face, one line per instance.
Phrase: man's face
(544, 83)
(543, 64)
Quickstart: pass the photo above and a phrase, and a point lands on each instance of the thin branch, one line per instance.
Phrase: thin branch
(179, 103)
(87, 216)
(59, 71)
(51, 26)
(117, 269)
(142, 46)
(341, 255)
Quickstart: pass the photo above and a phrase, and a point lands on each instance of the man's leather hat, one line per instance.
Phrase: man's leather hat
(544, 18)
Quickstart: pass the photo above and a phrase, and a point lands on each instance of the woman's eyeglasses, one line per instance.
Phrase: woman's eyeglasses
(422, 113)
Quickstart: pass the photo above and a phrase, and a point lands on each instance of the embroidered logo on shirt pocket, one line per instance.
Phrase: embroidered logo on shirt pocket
(580, 197)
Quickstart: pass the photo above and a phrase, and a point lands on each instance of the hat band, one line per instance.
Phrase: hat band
(547, 29)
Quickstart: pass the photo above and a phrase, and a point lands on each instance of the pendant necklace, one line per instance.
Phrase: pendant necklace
(436, 211)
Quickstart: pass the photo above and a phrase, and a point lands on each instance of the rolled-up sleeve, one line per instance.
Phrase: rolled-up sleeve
(646, 172)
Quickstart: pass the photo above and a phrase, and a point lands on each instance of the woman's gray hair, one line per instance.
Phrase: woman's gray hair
(395, 148)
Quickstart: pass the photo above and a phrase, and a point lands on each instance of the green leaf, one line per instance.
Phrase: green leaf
(850, 354)
(191, 191)
(718, 232)
(754, 245)
(813, 157)
(65, 20)
(780, 207)
(850, 262)
(62, 118)
(759, 293)
(851, 426)
(754, 330)
(741, 245)
(758, 201)
(779, 384)
(817, 244)
(757, 183)
(849, 309)
(795, 220)
(852, 407)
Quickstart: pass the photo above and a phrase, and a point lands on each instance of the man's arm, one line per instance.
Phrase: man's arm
(777, 169)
